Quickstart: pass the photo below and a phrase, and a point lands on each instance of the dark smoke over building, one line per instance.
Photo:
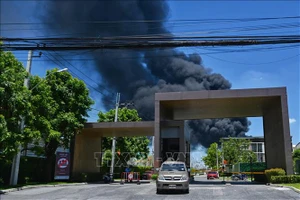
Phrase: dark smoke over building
(139, 74)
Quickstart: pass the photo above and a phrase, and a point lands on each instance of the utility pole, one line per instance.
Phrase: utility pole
(222, 154)
(217, 157)
(113, 148)
(153, 151)
(16, 161)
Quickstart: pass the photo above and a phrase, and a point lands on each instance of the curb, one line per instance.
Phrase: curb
(282, 186)
(38, 186)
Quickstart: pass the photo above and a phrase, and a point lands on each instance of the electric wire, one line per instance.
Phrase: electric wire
(57, 61)
(163, 20)
(81, 72)
(198, 50)
(265, 63)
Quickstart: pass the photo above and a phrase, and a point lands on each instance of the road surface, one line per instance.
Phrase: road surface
(200, 189)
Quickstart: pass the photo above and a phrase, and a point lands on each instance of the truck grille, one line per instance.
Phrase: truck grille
(175, 178)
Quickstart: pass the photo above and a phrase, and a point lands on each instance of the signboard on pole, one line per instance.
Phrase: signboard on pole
(62, 166)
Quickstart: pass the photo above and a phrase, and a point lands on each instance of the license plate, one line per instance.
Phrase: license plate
(172, 186)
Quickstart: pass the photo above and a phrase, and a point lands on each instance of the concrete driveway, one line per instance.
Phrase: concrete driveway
(200, 190)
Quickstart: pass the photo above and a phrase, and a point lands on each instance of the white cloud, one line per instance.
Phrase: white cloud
(292, 120)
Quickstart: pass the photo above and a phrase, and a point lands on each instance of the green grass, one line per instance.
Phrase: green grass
(295, 185)
(32, 183)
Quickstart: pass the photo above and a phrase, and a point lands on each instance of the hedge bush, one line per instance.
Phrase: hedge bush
(154, 176)
(274, 172)
(286, 179)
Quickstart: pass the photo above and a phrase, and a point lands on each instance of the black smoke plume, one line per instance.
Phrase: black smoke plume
(139, 74)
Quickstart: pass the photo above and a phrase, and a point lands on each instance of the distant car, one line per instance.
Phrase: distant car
(147, 175)
(212, 175)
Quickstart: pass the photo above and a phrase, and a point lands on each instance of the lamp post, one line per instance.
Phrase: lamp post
(61, 70)
(16, 161)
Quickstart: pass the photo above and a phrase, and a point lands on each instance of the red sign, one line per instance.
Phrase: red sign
(62, 166)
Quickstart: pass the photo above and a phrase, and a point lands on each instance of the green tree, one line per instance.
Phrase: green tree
(133, 146)
(236, 150)
(296, 156)
(14, 104)
(210, 159)
(60, 104)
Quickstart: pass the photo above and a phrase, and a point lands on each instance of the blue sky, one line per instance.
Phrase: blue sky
(250, 69)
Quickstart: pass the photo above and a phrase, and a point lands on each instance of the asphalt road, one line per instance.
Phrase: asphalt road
(200, 189)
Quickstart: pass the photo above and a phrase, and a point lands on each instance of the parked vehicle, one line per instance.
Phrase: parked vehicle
(212, 175)
(107, 178)
(236, 177)
(147, 175)
(172, 175)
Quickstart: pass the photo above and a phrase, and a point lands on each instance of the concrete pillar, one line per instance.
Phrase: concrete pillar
(157, 151)
(87, 153)
(182, 142)
(277, 135)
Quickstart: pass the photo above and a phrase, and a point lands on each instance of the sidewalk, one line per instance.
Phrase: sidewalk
(292, 188)
(116, 182)
(37, 186)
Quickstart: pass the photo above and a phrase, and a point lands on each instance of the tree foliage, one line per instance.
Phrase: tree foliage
(14, 104)
(236, 150)
(210, 159)
(133, 146)
(296, 154)
(60, 104)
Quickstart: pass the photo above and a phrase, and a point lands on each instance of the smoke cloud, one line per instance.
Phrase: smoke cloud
(139, 74)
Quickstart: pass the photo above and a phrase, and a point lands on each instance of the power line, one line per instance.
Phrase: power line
(91, 43)
(215, 51)
(156, 21)
(81, 72)
(76, 75)
(265, 63)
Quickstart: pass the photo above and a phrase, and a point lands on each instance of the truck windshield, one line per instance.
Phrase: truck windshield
(173, 167)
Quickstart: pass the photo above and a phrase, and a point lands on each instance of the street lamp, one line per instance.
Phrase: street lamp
(61, 70)
(16, 161)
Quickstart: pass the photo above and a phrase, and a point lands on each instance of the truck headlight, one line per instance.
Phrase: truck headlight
(160, 177)
(184, 178)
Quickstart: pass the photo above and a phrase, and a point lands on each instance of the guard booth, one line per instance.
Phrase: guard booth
(175, 142)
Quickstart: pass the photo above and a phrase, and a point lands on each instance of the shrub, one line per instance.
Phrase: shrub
(274, 172)
(154, 176)
(286, 179)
